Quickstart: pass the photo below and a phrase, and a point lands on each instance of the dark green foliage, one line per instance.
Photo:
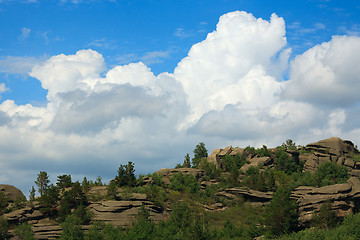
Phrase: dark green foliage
(230, 231)
(143, 228)
(83, 214)
(281, 215)
(126, 176)
(63, 181)
(24, 232)
(4, 228)
(263, 152)
(181, 182)
(157, 179)
(289, 144)
(326, 217)
(155, 194)
(4, 202)
(49, 200)
(72, 228)
(98, 181)
(329, 173)
(349, 229)
(187, 161)
(112, 190)
(85, 185)
(286, 163)
(232, 165)
(96, 231)
(210, 169)
(42, 182)
(263, 180)
(72, 199)
(200, 152)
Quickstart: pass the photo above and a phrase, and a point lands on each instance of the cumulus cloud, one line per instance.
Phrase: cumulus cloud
(228, 90)
(241, 51)
(327, 74)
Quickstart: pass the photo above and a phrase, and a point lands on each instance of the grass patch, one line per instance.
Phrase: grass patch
(244, 214)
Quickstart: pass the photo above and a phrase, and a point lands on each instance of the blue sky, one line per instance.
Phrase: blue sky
(84, 82)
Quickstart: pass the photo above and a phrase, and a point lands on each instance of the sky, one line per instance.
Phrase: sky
(88, 85)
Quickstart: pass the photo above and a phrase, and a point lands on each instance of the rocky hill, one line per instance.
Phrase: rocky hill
(228, 179)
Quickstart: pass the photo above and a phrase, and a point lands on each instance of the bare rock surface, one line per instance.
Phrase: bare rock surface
(122, 213)
(342, 197)
(11, 192)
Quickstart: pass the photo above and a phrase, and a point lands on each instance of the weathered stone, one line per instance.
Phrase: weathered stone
(166, 172)
(340, 161)
(342, 197)
(215, 159)
(310, 161)
(237, 151)
(349, 163)
(333, 146)
(122, 213)
(225, 151)
(98, 190)
(355, 173)
(216, 151)
(11, 192)
(264, 161)
(47, 229)
(250, 195)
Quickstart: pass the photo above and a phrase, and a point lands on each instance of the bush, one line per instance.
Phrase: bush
(286, 163)
(329, 173)
(24, 232)
(181, 182)
(4, 228)
(126, 176)
(263, 152)
(72, 228)
(200, 152)
(326, 217)
(281, 215)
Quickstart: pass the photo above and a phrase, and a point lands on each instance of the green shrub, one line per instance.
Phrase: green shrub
(330, 173)
(281, 215)
(263, 152)
(326, 217)
(126, 175)
(286, 163)
(72, 228)
(181, 182)
(24, 232)
(4, 228)
(200, 152)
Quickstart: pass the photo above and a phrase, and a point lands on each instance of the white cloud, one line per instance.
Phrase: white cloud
(3, 88)
(25, 33)
(228, 90)
(327, 74)
(240, 51)
(19, 65)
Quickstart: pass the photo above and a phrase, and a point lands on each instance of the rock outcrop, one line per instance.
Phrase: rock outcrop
(122, 213)
(11, 192)
(333, 149)
(343, 197)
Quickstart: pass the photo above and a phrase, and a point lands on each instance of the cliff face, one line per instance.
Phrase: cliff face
(121, 209)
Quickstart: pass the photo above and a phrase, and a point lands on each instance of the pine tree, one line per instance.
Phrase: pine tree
(42, 182)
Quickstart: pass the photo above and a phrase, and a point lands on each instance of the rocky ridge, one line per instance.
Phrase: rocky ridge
(345, 198)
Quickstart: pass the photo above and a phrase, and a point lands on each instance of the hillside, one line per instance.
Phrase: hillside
(234, 193)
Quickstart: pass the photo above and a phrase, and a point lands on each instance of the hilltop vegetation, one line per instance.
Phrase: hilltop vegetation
(233, 193)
